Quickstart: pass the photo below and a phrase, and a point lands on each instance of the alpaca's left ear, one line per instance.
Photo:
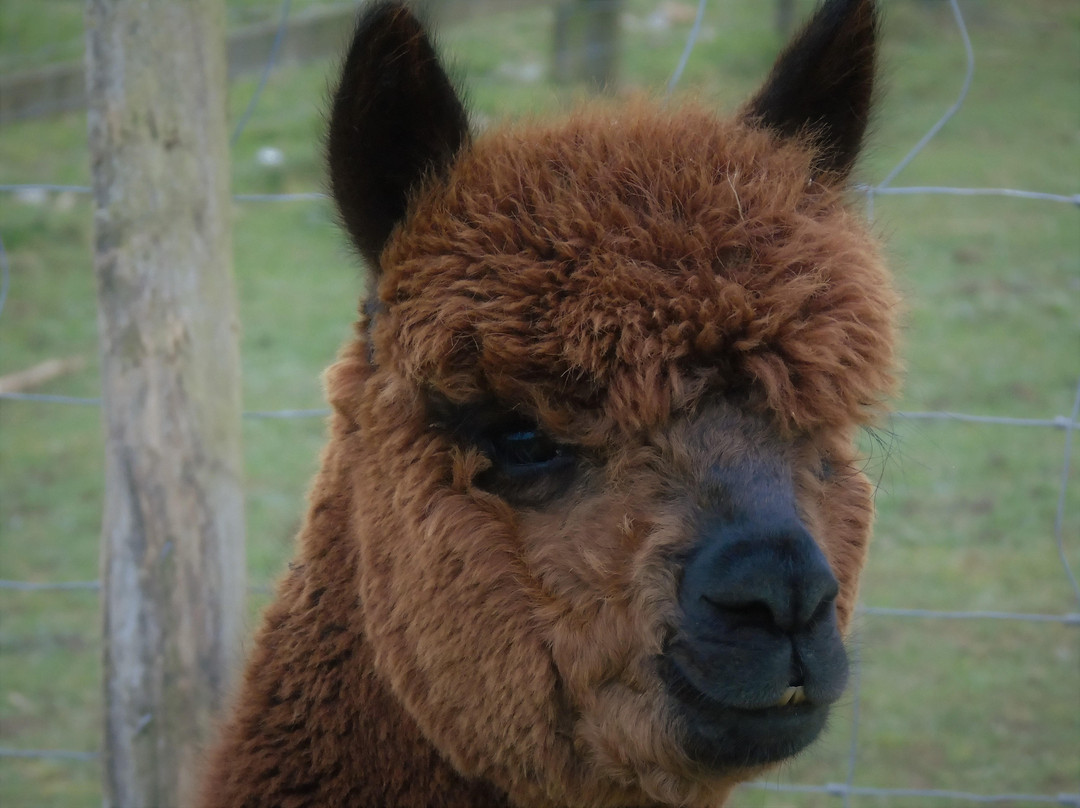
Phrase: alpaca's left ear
(822, 84)
(395, 119)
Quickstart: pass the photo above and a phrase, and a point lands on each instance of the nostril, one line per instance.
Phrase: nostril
(752, 614)
(763, 576)
(824, 609)
(820, 591)
(815, 602)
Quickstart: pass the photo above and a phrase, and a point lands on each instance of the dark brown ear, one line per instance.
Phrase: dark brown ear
(821, 85)
(395, 118)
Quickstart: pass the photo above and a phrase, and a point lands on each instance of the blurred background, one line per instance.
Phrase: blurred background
(968, 687)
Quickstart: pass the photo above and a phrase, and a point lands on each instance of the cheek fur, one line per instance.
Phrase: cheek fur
(839, 512)
(847, 509)
(444, 602)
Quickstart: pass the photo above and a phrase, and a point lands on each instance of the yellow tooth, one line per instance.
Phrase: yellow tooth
(798, 695)
(789, 694)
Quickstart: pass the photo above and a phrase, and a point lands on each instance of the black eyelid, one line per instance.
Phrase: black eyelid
(471, 421)
(446, 414)
(826, 469)
(522, 435)
(528, 466)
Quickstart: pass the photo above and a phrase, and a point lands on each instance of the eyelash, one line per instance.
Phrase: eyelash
(520, 450)
(528, 466)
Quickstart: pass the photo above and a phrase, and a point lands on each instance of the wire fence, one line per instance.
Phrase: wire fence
(1067, 424)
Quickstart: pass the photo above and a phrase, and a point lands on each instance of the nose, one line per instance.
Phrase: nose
(761, 574)
(756, 657)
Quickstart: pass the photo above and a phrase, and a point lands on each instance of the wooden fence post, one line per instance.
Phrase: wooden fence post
(586, 46)
(785, 16)
(172, 540)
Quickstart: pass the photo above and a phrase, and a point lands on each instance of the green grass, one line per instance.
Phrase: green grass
(966, 511)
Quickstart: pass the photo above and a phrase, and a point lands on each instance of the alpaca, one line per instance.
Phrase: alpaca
(589, 524)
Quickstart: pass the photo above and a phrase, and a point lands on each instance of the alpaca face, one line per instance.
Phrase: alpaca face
(608, 512)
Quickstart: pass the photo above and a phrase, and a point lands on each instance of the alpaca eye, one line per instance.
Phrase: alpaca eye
(519, 450)
(528, 467)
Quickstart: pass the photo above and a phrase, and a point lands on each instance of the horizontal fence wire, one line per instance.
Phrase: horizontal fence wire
(1058, 422)
(876, 190)
(47, 754)
(1072, 619)
(844, 791)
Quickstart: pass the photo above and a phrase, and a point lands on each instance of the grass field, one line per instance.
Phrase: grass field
(966, 511)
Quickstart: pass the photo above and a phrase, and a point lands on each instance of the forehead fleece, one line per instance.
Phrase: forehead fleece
(629, 263)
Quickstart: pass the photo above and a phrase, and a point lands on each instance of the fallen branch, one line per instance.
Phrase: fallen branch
(39, 374)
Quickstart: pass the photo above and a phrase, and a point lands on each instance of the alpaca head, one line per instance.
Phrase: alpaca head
(603, 402)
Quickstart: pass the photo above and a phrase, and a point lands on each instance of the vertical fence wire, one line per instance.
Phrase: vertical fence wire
(1063, 492)
(1068, 424)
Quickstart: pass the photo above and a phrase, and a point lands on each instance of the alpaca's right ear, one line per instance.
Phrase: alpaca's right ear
(822, 84)
(395, 118)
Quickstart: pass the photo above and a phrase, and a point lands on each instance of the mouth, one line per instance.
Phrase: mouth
(792, 696)
(723, 737)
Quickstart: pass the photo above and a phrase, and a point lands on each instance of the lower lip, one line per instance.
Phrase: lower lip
(744, 738)
(724, 738)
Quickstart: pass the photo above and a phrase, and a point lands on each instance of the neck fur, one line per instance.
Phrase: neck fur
(313, 724)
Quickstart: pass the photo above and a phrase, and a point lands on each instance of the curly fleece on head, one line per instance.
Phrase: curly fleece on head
(629, 262)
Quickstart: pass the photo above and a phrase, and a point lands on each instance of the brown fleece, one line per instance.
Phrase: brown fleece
(664, 290)
(626, 261)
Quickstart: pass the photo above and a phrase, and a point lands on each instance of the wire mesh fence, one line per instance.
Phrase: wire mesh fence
(1065, 423)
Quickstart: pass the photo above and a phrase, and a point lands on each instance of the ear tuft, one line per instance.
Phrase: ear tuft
(822, 84)
(394, 119)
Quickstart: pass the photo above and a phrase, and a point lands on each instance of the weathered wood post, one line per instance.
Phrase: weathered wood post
(785, 16)
(172, 539)
(586, 46)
